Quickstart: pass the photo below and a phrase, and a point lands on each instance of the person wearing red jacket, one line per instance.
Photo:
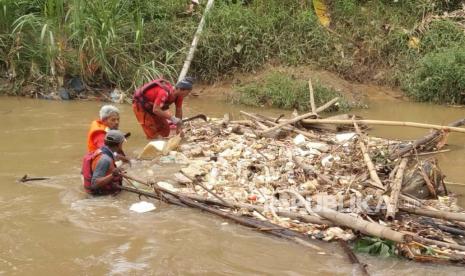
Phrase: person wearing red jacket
(151, 104)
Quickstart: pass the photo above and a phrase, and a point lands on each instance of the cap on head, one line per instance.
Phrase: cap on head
(107, 110)
(185, 84)
(114, 136)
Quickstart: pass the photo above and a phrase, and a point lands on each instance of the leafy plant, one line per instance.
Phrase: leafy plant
(375, 246)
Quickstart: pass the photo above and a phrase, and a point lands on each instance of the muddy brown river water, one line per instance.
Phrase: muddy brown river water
(53, 228)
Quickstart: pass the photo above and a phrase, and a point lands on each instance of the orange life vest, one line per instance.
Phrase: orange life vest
(96, 127)
(89, 165)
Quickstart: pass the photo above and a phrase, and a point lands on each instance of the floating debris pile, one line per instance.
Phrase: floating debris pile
(324, 185)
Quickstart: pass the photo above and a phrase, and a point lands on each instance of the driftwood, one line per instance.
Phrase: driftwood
(288, 122)
(312, 99)
(435, 214)
(272, 123)
(26, 178)
(425, 140)
(385, 123)
(371, 168)
(395, 191)
(438, 243)
(304, 116)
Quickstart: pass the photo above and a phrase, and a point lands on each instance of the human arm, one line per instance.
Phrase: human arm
(99, 177)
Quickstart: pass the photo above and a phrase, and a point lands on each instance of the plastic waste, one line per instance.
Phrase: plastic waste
(299, 140)
(167, 186)
(116, 96)
(152, 150)
(344, 137)
(142, 207)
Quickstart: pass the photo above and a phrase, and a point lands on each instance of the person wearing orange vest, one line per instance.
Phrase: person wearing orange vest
(109, 119)
(151, 104)
(105, 176)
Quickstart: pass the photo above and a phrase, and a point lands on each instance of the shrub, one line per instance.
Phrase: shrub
(438, 77)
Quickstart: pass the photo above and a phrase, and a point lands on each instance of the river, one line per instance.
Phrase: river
(53, 228)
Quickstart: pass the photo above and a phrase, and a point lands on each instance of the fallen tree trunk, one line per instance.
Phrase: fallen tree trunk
(425, 140)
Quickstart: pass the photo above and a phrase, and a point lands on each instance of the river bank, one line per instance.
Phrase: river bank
(396, 43)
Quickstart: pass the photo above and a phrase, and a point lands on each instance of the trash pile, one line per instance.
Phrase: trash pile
(326, 185)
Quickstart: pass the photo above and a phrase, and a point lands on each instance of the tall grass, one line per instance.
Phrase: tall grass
(127, 42)
(284, 91)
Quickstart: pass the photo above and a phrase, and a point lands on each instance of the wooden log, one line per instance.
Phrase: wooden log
(366, 157)
(312, 99)
(326, 105)
(270, 122)
(301, 117)
(385, 123)
(288, 122)
(435, 214)
(424, 140)
(195, 41)
(395, 191)
(439, 243)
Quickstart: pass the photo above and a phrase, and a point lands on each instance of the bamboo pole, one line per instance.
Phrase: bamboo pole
(395, 192)
(301, 117)
(385, 123)
(195, 41)
(371, 168)
(288, 122)
(312, 99)
(290, 128)
(435, 214)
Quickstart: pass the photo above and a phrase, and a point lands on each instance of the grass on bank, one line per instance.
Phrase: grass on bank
(284, 91)
(127, 42)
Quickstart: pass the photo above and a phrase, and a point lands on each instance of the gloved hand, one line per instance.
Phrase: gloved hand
(175, 120)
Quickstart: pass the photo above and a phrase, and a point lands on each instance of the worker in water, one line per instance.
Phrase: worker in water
(109, 119)
(101, 175)
(151, 104)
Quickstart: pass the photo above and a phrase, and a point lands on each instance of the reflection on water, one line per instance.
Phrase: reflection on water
(53, 228)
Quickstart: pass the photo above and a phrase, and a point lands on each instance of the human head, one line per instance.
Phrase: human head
(114, 139)
(109, 115)
(184, 87)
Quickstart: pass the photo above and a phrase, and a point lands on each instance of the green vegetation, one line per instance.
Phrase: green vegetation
(283, 91)
(126, 42)
(375, 246)
(439, 77)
